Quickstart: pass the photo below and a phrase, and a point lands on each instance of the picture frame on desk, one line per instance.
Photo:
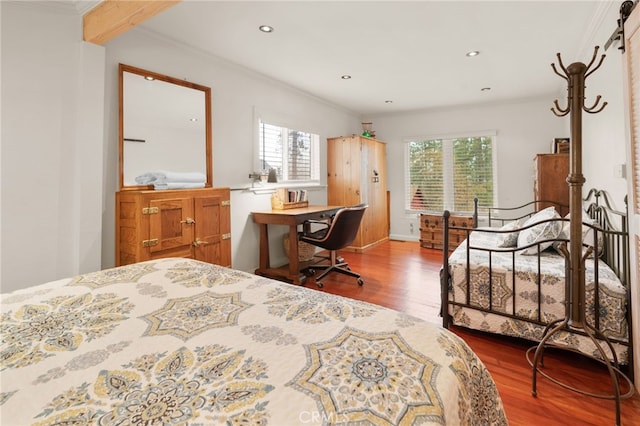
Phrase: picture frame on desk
(561, 146)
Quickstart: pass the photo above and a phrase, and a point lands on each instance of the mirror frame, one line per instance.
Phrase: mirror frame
(122, 68)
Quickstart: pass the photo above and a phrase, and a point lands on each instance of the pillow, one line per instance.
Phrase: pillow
(509, 239)
(543, 231)
(587, 236)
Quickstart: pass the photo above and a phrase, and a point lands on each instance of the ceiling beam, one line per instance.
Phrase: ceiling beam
(111, 18)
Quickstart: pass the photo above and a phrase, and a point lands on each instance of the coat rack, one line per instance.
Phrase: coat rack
(575, 316)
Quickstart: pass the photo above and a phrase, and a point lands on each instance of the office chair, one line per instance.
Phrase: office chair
(335, 235)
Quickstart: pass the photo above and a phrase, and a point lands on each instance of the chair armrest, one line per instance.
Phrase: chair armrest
(319, 222)
(306, 227)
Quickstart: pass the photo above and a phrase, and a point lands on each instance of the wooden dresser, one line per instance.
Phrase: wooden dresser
(357, 173)
(432, 232)
(550, 173)
(193, 223)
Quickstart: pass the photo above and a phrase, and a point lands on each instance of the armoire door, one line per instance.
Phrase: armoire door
(344, 157)
(379, 229)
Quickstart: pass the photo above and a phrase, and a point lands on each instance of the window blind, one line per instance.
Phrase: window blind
(447, 174)
(293, 154)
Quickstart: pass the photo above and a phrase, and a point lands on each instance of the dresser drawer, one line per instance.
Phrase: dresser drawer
(431, 230)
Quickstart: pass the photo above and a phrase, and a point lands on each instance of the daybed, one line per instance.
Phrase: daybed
(509, 278)
(178, 341)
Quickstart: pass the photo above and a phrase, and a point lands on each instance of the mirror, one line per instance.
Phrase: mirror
(165, 125)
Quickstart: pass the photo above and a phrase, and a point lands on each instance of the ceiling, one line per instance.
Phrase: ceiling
(412, 53)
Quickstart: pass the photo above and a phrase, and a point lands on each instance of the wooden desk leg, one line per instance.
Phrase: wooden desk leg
(264, 247)
(294, 273)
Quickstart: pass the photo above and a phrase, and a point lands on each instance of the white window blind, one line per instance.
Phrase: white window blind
(293, 154)
(446, 174)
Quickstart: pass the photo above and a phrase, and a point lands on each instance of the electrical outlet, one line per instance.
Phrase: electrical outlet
(620, 171)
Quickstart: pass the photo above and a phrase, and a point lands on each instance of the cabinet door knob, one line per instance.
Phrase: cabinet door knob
(188, 221)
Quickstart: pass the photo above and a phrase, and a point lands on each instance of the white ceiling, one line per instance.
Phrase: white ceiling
(409, 52)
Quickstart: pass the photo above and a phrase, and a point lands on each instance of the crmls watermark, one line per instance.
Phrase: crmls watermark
(315, 417)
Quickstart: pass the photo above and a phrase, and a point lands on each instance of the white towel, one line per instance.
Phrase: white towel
(166, 177)
(177, 185)
(146, 178)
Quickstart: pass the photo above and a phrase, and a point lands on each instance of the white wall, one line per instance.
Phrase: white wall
(603, 134)
(52, 104)
(523, 129)
(605, 139)
(236, 92)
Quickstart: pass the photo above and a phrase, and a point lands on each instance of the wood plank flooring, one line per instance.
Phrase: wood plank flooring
(405, 277)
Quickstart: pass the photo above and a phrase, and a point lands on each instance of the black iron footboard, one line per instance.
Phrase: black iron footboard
(494, 216)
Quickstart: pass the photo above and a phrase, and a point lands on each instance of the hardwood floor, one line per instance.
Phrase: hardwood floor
(403, 276)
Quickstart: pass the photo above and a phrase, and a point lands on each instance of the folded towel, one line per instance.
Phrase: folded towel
(146, 178)
(177, 185)
(164, 177)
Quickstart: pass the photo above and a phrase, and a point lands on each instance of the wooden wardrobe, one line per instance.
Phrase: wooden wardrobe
(356, 174)
(550, 173)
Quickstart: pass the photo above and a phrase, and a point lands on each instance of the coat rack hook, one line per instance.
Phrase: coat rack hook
(591, 110)
(556, 71)
(595, 53)
(560, 112)
(593, 57)
(564, 69)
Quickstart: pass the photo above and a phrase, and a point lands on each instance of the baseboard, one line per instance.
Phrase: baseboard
(399, 237)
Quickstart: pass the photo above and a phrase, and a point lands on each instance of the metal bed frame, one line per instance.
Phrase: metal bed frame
(609, 224)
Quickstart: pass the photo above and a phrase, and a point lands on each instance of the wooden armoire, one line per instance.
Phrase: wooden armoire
(356, 174)
(550, 181)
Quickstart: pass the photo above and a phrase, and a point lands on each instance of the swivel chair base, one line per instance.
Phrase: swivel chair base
(337, 265)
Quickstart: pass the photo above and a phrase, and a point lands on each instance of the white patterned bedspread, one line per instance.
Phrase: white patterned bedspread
(552, 276)
(176, 341)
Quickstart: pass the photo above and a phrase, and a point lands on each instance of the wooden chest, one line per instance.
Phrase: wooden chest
(192, 223)
(431, 230)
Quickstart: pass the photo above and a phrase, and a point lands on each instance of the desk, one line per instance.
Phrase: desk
(292, 218)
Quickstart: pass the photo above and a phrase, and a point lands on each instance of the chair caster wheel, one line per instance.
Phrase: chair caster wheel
(309, 272)
(360, 282)
(320, 284)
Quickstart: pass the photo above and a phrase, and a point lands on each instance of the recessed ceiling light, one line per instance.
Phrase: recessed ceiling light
(193, 119)
(388, 102)
(266, 28)
(486, 89)
(149, 78)
(473, 53)
(345, 77)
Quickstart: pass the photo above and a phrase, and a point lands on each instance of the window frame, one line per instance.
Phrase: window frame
(289, 123)
(447, 152)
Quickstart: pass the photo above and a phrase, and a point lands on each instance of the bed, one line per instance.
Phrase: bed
(490, 284)
(178, 341)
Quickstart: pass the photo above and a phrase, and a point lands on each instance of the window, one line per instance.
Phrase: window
(446, 174)
(294, 154)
